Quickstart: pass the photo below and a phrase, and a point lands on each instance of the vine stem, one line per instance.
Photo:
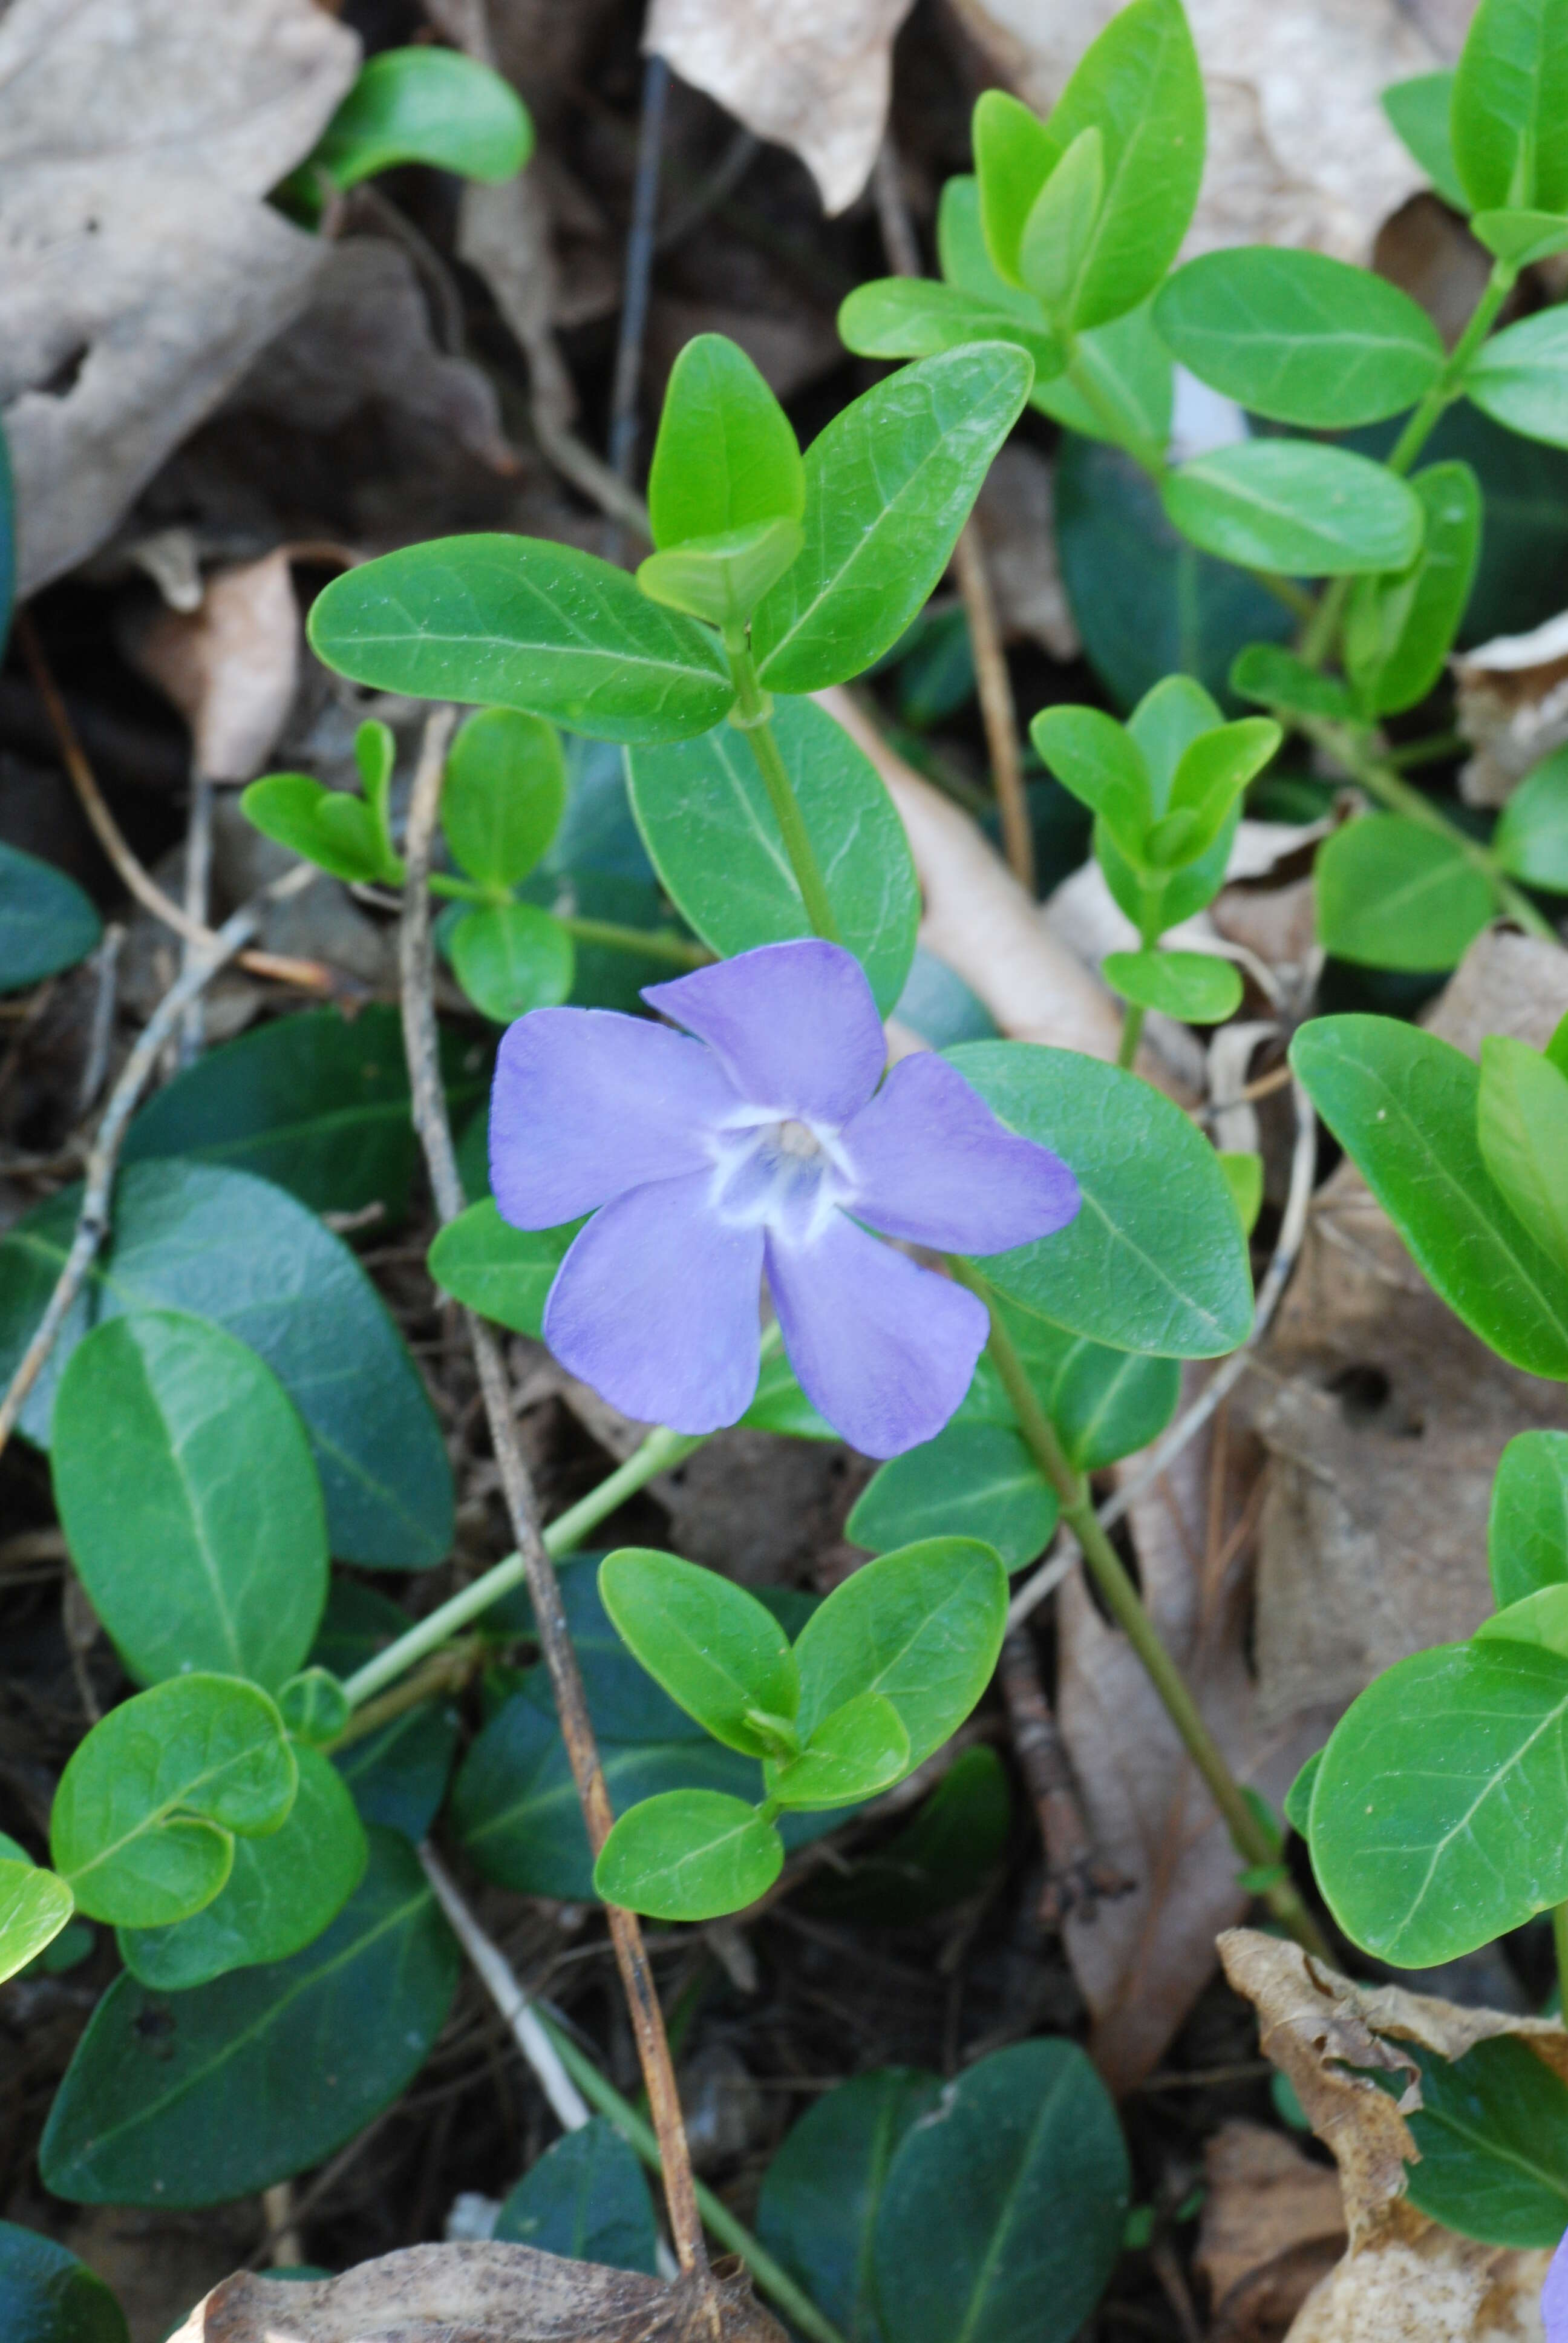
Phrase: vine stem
(1253, 1839)
(1131, 1034)
(416, 972)
(752, 715)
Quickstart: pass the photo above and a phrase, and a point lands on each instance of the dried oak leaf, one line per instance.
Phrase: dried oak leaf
(812, 75)
(476, 2294)
(1273, 2225)
(1404, 2278)
(138, 139)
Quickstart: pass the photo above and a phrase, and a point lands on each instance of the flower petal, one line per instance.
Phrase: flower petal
(794, 1026)
(1554, 2296)
(656, 1306)
(587, 1104)
(931, 1163)
(884, 1350)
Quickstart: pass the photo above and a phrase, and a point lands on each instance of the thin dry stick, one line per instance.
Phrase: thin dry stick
(93, 1220)
(416, 962)
(1077, 1877)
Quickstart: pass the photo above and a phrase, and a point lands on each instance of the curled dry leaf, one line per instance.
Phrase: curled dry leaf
(1405, 2279)
(1272, 2226)
(1512, 706)
(812, 75)
(476, 2294)
(137, 145)
(230, 665)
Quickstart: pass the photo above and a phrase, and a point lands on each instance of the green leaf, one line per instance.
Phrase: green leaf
(889, 485)
(1519, 376)
(1292, 505)
(1003, 2212)
(1437, 1814)
(1419, 110)
(1103, 1403)
(1206, 786)
(690, 1855)
(1244, 1178)
(282, 1892)
(47, 2296)
(1298, 336)
(1509, 120)
(1134, 383)
(1095, 758)
(1198, 986)
(314, 1707)
(240, 1252)
(1527, 1529)
(947, 1854)
(1540, 1619)
(1403, 1106)
(856, 1751)
(144, 1815)
(34, 1906)
(263, 2072)
(1522, 1127)
(1491, 2132)
(625, 1702)
(510, 958)
(166, 1429)
(973, 1480)
(1154, 1260)
(922, 1626)
(521, 622)
(504, 794)
(1399, 630)
(821, 2191)
(717, 1652)
(1520, 238)
(1298, 1804)
(1392, 893)
(1169, 722)
(505, 1273)
(47, 923)
(913, 317)
(1531, 841)
(585, 2198)
(703, 811)
(726, 454)
(399, 1776)
(1057, 234)
(1015, 154)
(428, 105)
(335, 830)
(1276, 677)
(722, 579)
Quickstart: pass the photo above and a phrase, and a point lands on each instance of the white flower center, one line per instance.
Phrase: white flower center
(778, 1172)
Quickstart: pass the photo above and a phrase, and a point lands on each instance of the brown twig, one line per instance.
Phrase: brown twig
(1077, 1877)
(416, 961)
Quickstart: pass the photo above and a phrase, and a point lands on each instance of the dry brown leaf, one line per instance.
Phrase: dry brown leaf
(1405, 2279)
(230, 666)
(1512, 706)
(1015, 514)
(1300, 150)
(1273, 2225)
(138, 139)
(812, 75)
(474, 2294)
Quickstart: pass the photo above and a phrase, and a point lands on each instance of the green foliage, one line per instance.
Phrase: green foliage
(1531, 841)
(975, 1480)
(1400, 630)
(1509, 119)
(585, 2198)
(47, 2296)
(1522, 1128)
(47, 923)
(1493, 2133)
(503, 795)
(510, 958)
(1518, 378)
(921, 1626)
(34, 1906)
(1527, 1530)
(338, 832)
(943, 1857)
(1393, 893)
(1200, 987)
(1419, 110)
(716, 1651)
(430, 105)
(505, 1273)
(725, 456)
(1294, 506)
(688, 1855)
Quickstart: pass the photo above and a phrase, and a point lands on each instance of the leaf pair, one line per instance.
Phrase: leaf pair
(726, 489)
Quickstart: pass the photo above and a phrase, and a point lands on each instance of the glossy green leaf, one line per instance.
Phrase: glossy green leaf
(1002, 2214)
(1175, 720)
(283, 1890)
(1509, 118)
(1295, 506)
(943, 1857)
(688, 1855)
(34, 1906)
(47, 2296)
(1531, 841)
(1015, 154)
(1541, 1618)
(330, 828)
(143, 1821)
(1399, 630)
(1527, 1528)
(1121, 389)
(722, 579)
(1403, 1105)
(717, 1652)
(1419, 109)
(504, 794)
(1206, 788)
(1276, 677)
(1392, 893)
(1298, 336)
(1522, 1127)
(585, 2198)
(973, 1480)
(165, 1431)
(1520, 378)
(704, 814)
(856, 1751)
(781, 1406)
(521, 622)
(922, 1626)
(889, 485)
(313, 1707)
(1491, 2132)
(510, 958)
(505, 1273)
(47, 923)
(239, 1252)
(1154, 1260)
(915, 317)
(1198, 986)
(1058, 233)
(1095, 758)
(1520, 238)
(726, 454)
(822, 2189)
(1105, 1404)
(1436, 1819)
(1244, 1177)
(426, 104)
(223, 2090)
(626, 1702)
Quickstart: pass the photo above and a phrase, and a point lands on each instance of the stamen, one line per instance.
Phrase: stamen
(794, 1138)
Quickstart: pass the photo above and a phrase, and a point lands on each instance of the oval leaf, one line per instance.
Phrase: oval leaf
(1491, 2131)
(1531, 841)
(503, 1272)
(510, 958)
(922, 1626)
(717, 1650)
(1520, 378)
(504, 794)
(821, 2191)
(47, 923)
(426, 104)
(856, 1751)
(690, 1855)
(1198, 986)
(973, 1480)
(47, 2296)
(585, 2198)
(1527, 1529)
(1294, 506)
(34, 1906)
(1392, 893)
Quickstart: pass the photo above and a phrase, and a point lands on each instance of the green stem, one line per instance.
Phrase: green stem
(1253, 1841)
(752, 715)
(461, 890)
(679, 950)
(1131, 1034)
(1435, 750)
(771, 2279)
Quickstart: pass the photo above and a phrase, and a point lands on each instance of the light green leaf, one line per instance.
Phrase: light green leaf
(1527, 1530)
(1509, 118)
(1419, 110)
(314, 1707)
(1399, 630)
(973, 1480)
(1292, 505)
(1198, 986)
(856, 1751)
(1520, 378)
(1014, 156)
(505, 1273)
(1127, 368)
(1057, 234)
(47, 923)
(1521, 1125)
(688, 1855)
(720, 1655)
(1207, 786)
(1531, 841)
(1492, 2134)
(335, 831)
(1277, 678)
(726, 454)
(504, 794)
(510, 958)
(1520, 238)
(426, 104)
(913, 317)
(781, 1406)
(1540, 1619)
(1392, 893)
(1096, 758)
(166, 1429)
(922, 1626)
(34, 1906)
(722, 579)
(142, 1819)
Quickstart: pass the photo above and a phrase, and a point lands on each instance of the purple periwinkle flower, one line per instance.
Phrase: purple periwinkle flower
(1554, 2296)
(758, 1145)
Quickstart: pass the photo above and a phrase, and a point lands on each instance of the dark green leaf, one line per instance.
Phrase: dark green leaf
(1419, 110)
(585, 2198)
(726, 454)
(1493, 2133)
(1509, 119)
(1527, 1530)
(688, 1855)
(47, 923)
(426, 104)
(973, 1480)
(914, 317)
(943, 1857)
(399, 1774)
(1292, 505)
(719, 1655)
(47, 2296)
(510, 958)
(1531, 841)
(1392, 893)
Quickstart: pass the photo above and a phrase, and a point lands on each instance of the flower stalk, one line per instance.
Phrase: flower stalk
(752, 714)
